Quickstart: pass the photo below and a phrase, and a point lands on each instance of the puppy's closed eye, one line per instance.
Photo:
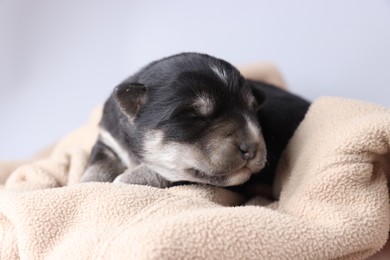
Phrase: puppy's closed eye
(194, 114)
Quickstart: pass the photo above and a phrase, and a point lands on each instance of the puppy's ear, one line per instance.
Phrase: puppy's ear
(130, 98)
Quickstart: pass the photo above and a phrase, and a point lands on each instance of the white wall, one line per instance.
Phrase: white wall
(60, 59)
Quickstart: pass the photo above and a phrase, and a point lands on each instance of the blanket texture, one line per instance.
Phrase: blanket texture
(331, 184)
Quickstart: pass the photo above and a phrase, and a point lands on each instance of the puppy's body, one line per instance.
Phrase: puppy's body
(192, 118)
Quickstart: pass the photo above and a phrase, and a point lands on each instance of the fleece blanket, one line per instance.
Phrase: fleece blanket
(331, 187)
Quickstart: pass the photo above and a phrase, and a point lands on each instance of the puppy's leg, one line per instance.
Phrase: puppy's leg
(104, 165)
(143, 175)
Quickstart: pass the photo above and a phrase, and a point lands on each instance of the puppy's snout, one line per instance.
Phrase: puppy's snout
(248, 150)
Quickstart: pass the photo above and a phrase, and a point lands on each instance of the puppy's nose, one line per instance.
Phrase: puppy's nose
(248, 150)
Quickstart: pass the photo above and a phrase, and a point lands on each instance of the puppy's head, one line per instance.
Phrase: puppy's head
(196, 117)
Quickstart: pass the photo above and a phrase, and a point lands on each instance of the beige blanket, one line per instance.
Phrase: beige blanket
(332, 187)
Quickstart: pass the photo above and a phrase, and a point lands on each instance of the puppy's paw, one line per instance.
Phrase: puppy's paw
(126, 178)
(142, 175)
(97, 173)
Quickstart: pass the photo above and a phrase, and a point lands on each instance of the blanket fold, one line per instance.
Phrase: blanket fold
(331, 184)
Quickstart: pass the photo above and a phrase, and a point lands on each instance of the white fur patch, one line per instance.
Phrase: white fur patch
(172, 160)
(110, 141)
(254, 131)
(221, 73)
(204, 104)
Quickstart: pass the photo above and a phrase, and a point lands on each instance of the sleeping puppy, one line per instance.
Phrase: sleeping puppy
(192, 118)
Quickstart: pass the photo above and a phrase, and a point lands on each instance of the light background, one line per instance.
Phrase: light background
(60, 59)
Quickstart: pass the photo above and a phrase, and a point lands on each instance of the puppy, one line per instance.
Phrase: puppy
(192, 118)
